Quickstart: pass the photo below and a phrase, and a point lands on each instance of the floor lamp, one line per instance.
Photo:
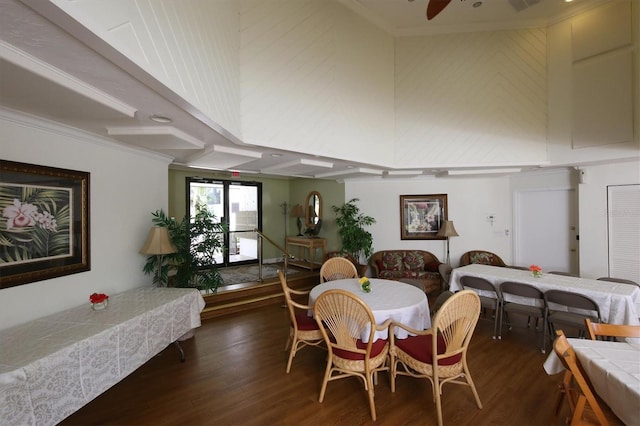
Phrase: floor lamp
(158, 243)
(447, 230)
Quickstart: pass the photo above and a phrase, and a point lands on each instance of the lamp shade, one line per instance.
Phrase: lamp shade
(447, 229)
(297, 211)
(158, 242)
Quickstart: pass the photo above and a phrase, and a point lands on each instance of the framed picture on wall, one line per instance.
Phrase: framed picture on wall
(421, 216)
(44, 223)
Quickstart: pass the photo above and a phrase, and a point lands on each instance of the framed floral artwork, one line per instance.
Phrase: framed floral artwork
(421, 216)
(44, 223)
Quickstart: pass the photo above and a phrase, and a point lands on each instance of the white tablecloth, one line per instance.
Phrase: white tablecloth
(388, 299)
(52, 366)
(619, 303)
(614, 371)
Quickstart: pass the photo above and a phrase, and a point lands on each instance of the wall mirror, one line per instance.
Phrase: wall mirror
(313, 209)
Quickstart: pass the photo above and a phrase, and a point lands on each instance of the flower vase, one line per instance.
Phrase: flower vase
(365, 284)
(100, 305)
(536, 274)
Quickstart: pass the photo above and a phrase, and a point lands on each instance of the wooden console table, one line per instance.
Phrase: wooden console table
(311, 245)
(52, 366)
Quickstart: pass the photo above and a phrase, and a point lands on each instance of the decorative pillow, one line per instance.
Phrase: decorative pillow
(482, 258)
(413, 260)
(392, 261)
(432, 266)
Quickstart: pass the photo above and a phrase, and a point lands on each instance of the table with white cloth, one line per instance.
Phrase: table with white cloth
(388, 299)
(613, 369)
(619, 303)
(52, 366)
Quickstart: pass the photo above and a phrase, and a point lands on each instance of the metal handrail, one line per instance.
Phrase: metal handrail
(286, 254)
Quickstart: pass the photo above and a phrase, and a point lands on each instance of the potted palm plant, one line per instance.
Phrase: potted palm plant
(356, 240)
(197, 240)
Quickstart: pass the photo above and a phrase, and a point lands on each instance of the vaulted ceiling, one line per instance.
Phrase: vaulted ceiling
(46, 71)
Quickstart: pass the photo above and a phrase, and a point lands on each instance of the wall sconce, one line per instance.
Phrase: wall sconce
(447, 230)
(158, 243)
(298, 212)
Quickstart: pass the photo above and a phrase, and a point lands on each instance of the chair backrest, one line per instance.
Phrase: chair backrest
(478, 283)
(567, 356)
(482, 257)
(346, 317)
(572, 300)
(337, 268)
(291, 304)
(520, 289)
(566, 274)
(618, 280)
(596, 329)
(443, 297)
(455, 321)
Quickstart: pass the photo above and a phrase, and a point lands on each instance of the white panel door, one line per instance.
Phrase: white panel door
(545, 230)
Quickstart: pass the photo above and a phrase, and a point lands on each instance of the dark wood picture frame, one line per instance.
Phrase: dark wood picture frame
(44, 223)
(421, 216)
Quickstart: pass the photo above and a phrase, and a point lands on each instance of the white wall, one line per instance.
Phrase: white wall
(593, 213)
(125, 187)
(469, 201)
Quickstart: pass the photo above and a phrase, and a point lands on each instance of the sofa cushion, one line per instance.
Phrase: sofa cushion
(392, 261)
(482, 258)
(413, 260)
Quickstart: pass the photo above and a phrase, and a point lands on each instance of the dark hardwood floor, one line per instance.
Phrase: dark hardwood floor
(235, 375)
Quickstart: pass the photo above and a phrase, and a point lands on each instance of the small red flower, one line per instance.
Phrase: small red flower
(98, 297)
(535, 268)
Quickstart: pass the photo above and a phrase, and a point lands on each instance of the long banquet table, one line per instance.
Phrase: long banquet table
(613, 369)
(388, 299)
(619, 303)
(52, 366)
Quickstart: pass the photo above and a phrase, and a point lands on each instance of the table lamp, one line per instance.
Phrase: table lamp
(447, 230)
(298, 212)
(158, 243)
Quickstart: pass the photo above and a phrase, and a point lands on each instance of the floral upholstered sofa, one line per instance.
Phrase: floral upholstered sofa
(418, 265)
(482, 257)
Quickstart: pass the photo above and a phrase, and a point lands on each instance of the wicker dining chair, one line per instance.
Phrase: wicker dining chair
(600, 329)
(440, 353)
(304, 329)
(347, 318)
(576, 388)
(524, 299)
(337, 268)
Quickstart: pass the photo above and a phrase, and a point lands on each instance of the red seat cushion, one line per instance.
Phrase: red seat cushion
(376, 349)
(305, 322)
(420, 348)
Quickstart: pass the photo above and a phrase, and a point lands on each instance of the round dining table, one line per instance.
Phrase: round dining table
(388, 299)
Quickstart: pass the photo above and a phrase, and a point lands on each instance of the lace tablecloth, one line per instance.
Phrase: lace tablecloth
(619, 303)
(388, 299)
(613, 369)
(52, 366)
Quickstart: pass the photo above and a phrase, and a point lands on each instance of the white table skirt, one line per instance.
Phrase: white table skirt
(388, 299)
(614, 371)
(618, 302)
(52, 366)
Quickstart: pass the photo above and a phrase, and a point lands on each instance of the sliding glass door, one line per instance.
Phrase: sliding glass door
(237, 203)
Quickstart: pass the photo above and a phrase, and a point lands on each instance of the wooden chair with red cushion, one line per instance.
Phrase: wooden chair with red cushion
(347, 318)
(304, 329)
(440, 353)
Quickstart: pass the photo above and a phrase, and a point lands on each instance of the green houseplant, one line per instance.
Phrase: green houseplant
(356, 240)
(196, 239)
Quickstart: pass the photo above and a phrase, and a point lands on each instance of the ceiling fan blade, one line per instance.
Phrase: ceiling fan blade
(436, 6)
